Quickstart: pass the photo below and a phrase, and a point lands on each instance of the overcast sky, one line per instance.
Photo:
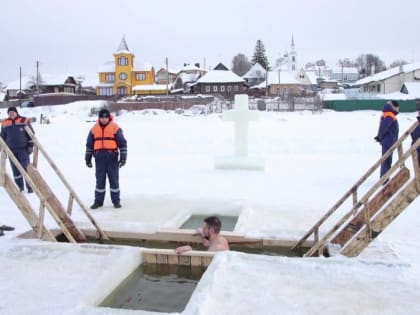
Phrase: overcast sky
(77, 36)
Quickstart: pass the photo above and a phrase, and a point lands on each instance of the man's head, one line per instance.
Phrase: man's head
(395, 105)
(211, 225)
(12, 112)
(104, 116)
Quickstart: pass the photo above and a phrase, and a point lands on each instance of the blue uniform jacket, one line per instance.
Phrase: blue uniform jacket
(388, 128)
(415, 135)
(14, 134)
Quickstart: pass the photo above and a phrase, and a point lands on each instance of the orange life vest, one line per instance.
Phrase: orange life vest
(18, 121)
(104, 136)
(389, 114)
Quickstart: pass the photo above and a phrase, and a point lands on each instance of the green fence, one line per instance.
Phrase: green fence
(406, 106)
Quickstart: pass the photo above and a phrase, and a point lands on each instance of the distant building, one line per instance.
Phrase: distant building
(164, 76)
(280, 84)
(188, 76)
(390, 81)
(220, 82)
(120, 76)
(255, 75)
(411, 89)
(345, 74)
(47, 83)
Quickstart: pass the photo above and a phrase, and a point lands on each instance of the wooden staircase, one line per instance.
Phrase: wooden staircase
(45, 195)
(368, 216)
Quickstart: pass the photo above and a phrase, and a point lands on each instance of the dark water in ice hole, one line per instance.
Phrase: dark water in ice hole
(156, 287)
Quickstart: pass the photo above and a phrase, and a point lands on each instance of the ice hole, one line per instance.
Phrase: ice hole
(156, 287)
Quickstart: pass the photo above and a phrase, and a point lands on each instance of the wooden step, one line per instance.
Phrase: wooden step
(54, 205)
(381, 221)
(377, 202)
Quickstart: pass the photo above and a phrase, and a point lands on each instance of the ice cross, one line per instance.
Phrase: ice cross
(241, 115)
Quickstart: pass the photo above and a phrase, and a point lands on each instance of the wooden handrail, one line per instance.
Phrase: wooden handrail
(353, 192)
(72, 192)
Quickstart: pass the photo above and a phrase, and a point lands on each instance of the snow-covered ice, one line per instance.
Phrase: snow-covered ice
(312, 159)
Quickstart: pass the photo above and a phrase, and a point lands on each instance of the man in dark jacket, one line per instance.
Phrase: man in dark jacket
(20, 143)
(388, 132)
(416, 132)
(107, 144)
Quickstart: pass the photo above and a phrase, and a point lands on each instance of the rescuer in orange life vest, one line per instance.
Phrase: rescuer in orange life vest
(19, 142)
(107, 144)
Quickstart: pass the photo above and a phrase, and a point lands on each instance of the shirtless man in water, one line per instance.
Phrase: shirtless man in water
(210, 235)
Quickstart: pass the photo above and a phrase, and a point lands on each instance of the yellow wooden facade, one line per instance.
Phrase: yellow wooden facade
(121, 76)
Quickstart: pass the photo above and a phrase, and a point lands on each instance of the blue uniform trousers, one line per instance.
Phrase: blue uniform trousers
(387, 163)
(106, 163)
(23, 157)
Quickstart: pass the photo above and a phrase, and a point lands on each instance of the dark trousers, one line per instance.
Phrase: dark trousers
(106, 163)
(23, 158)
(387, 163)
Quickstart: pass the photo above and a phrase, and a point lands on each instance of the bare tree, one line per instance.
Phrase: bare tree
(240, 64)
(397, 63)
(369, 64)
(346, 62)
(320, 63)
(309, 65)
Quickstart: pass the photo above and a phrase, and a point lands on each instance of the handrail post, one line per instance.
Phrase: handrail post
(2, 167)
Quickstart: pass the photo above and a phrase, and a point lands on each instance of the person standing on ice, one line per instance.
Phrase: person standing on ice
(107, 144)
(19, 142)
(416, 132)
(388, 132)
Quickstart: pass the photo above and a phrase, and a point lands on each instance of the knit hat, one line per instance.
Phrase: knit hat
(12, 109)
(104, 113)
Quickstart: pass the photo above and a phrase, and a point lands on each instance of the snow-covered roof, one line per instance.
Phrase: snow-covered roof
(389, 73)
(122, 47)
(190, 67)
(413, 89)
(256, 71)
(188, 77)
(54, 79)
(273, 78)
(312, 77)
(150, 87)
(220, 76)
(27, 82)
(108, 66)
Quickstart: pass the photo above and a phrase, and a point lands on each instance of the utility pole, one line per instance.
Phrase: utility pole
(167, 77)
(266, 83)
(20, 86)
(37, 78)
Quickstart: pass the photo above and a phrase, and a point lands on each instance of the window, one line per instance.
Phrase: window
(229, 88)
(236, 88)
(140, 76)
(105, 91)
(122, 90)
(222, 88)
(68, 89)
(208, 89)
(214, 88)
(109, 77)
(293, 59)
(123, 61)
(123, 76)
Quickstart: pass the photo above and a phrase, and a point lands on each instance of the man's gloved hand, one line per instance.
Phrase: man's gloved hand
(30, 150)
(377, 139)
(121, 163)
(89, 164)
